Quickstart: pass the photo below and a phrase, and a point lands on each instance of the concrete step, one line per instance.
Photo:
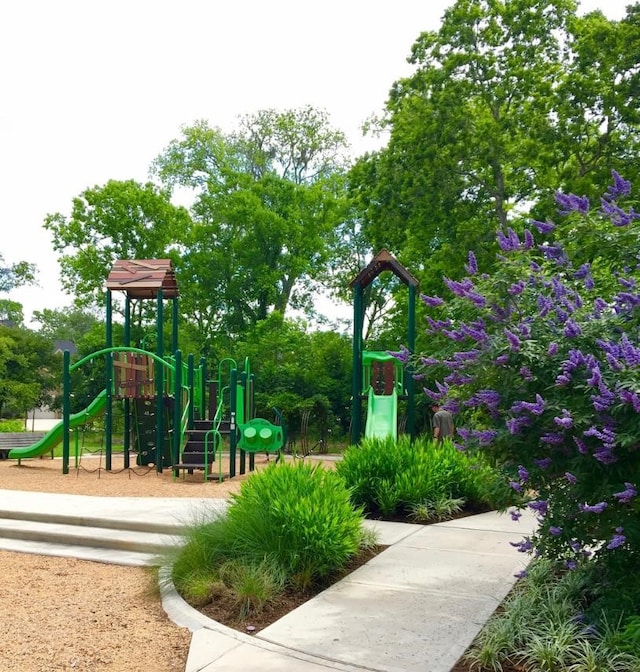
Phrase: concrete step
(117, 540)
(112, 521)
(104, 555)
(83, 535)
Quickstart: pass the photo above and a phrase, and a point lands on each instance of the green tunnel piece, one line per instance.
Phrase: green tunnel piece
(259, 435)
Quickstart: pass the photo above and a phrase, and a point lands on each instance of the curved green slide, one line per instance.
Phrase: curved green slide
(382, 415)
(54, 436)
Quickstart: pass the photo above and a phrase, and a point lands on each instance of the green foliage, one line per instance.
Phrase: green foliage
(395, 477)
(489, 123)
(540, 361)
(544, 625)
(266, 199)
(67, 324)
(253, 584)
(628, 638)
(29, 371)
(290, 523)
(436, 510)
(298, 369)
(301, 516)
(121, 220)
(11, 426)
(16, 275)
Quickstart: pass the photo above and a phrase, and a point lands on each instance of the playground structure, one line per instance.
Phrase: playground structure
(174, 416)
(378, 377)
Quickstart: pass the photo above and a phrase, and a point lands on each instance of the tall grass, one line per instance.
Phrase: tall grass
(290, 524)
(542, 627)
(394, 478)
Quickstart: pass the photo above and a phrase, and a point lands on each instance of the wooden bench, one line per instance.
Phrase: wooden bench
(9, 440)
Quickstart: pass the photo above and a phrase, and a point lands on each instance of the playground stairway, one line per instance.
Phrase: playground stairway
(199, 451)
(125, 531)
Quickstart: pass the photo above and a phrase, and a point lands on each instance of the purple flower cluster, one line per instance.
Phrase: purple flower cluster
(619, 189)
(596, 508)
(537, 407)
(617, 540)
(524, 546)
(565, 420)
(539, 321)
(508, 240)
(617, 215)
(541, 506)
(569, 203)
(627, 494)
(401, 355)
(544, 227)
(432, 301)
(471, 267)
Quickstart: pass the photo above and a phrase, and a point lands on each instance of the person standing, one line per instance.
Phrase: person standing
(443, 425)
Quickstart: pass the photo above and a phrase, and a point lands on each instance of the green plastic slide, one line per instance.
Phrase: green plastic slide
(382, 415)
(54, 436)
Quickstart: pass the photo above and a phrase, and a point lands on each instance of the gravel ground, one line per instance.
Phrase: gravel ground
(63, 614)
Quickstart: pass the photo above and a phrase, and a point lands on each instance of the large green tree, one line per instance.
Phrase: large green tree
(66, 324)
(29, 370)
(266, 201)
(120, 220)
(508, 101)
(15, 275)
(12, 276)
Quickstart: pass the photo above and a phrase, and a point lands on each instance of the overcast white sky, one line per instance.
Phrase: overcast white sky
(93, 90)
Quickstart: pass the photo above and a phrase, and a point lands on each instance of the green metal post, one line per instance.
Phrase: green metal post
(177, 409)
(409, 380)
(251, 411)
(127, 401)
(108, 418)
(191, 386)
(243, 386)
(356, 385)
(159, 373)
(204, 374)
(232, 424)
(66, 396)
(174, 324)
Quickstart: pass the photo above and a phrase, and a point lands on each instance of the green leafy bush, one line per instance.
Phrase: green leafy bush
(540, 361)
(436, 510)
(295, 520)
(300, 515)
(544, 625)
(11, 426)
(389, 477)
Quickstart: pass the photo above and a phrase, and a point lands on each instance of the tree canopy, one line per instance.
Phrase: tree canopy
(508, 102)
(266, 201)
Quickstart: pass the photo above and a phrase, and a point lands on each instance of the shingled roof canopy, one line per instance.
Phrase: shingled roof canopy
(383, 261)
(142, 278)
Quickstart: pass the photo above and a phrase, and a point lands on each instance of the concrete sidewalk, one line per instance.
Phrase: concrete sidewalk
(417, 606)
(414, 607)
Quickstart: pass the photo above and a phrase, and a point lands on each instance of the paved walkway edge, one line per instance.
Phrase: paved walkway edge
(184, 615)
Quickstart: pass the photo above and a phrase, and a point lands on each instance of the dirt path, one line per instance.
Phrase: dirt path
(80, 616)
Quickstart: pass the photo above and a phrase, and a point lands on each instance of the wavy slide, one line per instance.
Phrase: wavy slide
(382, 415)
(54, 436)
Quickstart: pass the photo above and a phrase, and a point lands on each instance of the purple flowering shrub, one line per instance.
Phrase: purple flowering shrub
(540, 362)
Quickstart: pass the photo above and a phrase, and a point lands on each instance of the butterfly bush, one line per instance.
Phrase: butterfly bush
(541, 363)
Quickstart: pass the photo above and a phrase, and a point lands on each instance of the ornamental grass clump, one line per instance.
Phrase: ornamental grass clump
(290, 524)
(540, 361)
(300, 515)
(543, 625)
(396, 478)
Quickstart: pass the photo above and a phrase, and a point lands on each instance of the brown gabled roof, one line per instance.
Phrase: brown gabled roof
(383, 261)
(142, 278)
